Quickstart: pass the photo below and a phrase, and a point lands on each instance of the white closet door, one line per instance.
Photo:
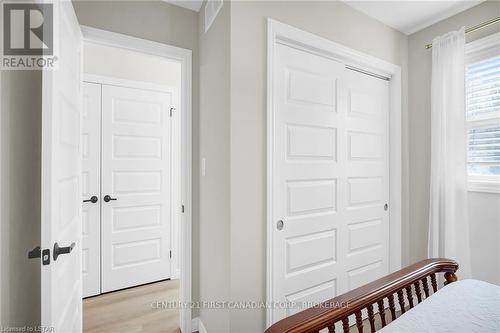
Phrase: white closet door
(367, 179)
(91, 189)
(136, 150)
(330, 179)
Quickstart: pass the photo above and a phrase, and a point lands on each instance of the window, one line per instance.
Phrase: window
(483, 113)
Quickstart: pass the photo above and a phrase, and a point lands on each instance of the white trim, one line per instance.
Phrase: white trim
(108, 38)
(2, 228)
(278, 32)
(119, 82)
(184, 57)
(483, 43)
(484, 184)
(197, 326)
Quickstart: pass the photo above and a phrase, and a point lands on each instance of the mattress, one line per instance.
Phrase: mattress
(462, 306)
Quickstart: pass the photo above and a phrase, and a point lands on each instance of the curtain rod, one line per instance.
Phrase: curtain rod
(475, 28)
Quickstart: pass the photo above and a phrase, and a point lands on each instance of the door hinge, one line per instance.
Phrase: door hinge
(182, 209)
(170, 253)
(171, 111)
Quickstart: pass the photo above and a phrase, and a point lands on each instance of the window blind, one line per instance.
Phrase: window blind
(483, 115)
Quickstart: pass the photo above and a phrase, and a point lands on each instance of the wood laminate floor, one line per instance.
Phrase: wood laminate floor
(131, 310)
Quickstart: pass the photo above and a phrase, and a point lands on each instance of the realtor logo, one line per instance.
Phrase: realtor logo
(28, 35)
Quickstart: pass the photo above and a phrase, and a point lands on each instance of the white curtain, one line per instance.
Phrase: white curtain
(448, 217)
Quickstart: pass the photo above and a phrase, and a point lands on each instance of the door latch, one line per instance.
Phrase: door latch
(35, 253)
(46, 257)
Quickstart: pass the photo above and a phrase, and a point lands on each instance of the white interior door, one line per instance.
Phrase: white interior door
(136, 165)
(330, 179)
(91, 189)
(61, 165)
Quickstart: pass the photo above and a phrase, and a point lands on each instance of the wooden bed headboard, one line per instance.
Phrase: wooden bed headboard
(401, 283)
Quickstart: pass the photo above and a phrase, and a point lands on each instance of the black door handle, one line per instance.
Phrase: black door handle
(35, 253)
(93, 199)
(62, 250)
(108, 198)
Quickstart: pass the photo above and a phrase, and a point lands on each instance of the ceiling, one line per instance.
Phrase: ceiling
(188, 4)
(407, 16)
(410, 16)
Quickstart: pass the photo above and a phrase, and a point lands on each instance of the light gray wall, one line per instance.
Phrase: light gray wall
(330, 19)
(214, 186)
(20, 138)
(483, 208)
(164, 23)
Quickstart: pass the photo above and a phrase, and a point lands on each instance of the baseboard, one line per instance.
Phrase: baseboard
(194, 324)
(197, 325)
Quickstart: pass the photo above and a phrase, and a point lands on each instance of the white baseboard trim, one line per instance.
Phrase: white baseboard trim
(197, 325)
(194, 324)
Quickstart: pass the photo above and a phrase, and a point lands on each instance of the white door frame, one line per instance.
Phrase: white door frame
(280, 33)
(184, 57)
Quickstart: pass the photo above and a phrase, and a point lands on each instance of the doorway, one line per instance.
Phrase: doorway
(135, 183)
(130, 184)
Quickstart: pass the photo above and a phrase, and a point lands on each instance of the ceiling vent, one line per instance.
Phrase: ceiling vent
(212, 8)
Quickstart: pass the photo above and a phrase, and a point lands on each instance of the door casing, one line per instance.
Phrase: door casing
(280, 33)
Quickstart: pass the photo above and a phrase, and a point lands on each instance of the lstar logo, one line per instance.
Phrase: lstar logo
(28, 35)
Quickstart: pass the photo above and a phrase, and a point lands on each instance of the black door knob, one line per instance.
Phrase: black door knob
(108, 198)
(93, 199)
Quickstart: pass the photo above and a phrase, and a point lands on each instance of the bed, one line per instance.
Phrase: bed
(406, 301)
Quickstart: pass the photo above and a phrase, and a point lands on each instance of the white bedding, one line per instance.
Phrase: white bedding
(462, 306)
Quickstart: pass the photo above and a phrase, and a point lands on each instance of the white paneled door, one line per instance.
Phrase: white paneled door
(330, 179)
(61, 293)
(91, 189)
(135, 187)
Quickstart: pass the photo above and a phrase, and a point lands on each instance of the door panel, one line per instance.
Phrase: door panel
(91, 186)
(330, 179)
(308, 147)
(61, 171)
(136, 162)
(367, 176)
